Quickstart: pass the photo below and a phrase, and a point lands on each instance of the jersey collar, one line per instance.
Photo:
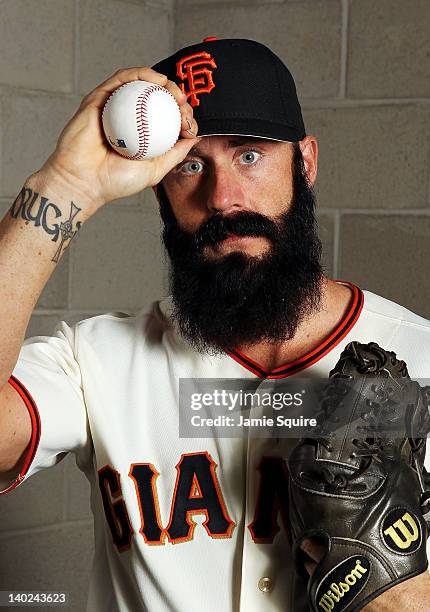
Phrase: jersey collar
(287, 369)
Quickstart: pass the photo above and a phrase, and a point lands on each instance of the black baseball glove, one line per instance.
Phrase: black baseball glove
(358, 486)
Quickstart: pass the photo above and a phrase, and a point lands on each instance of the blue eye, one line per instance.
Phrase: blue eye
(193, 166)
(249, 156)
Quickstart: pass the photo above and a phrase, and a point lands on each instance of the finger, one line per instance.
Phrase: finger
(313, 548)
(307, 547)
(189, 129)
(310, 567)
(186, 117)
(98, 96)
(190, 132)
(309, 555)
(176, 91)
(137, 73)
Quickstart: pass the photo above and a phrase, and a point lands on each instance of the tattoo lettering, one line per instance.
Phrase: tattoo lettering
(30, 207)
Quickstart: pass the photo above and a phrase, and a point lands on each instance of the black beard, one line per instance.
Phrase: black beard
(240, 299)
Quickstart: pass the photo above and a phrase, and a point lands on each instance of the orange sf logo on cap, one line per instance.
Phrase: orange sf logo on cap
(196, 72)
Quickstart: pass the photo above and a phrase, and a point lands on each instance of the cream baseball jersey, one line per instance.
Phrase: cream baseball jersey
(181, 524)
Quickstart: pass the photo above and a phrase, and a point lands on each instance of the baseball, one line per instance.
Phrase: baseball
(141, 120)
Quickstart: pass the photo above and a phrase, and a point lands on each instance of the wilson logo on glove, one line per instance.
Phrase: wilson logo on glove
(401, 532)
(363, 487)
(344, 582)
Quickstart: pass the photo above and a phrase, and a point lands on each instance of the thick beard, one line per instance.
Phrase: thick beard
(240, 299)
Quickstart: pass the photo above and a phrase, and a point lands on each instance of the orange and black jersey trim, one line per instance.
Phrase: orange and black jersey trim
(35, 431)
(342, 329)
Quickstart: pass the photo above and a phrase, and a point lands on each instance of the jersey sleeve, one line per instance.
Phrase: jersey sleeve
(48, 378)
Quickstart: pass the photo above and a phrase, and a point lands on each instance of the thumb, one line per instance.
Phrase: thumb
(174, 156)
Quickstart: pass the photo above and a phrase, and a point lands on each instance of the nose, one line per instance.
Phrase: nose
(225, 192)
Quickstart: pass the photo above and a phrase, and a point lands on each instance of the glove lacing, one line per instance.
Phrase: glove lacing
(380, 414)
(366, 364)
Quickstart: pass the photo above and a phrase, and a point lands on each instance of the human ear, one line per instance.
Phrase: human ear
(309, 149)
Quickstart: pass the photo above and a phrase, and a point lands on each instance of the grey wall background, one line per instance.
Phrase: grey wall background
(362, 69)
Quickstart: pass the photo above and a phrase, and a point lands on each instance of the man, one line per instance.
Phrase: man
(187, 523)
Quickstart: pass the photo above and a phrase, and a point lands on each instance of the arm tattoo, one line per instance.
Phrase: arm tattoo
(25, 206)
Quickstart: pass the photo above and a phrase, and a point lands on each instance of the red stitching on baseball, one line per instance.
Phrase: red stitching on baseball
(142, 120)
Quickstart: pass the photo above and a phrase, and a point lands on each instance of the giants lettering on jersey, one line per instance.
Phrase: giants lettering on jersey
(197, 491)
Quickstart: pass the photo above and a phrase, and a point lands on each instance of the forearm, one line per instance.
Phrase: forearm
(33, 239)
(412, 595)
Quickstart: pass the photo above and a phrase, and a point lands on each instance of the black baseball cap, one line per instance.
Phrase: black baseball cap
(237, 87)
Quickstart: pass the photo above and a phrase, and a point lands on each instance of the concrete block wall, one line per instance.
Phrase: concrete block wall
(362, 73)
(52, 52)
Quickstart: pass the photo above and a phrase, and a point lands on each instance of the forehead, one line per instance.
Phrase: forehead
(223, 143)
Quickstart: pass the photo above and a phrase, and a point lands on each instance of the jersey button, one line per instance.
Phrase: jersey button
(265, 584)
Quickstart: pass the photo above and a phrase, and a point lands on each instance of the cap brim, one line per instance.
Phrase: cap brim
(250, 135)
(249, 127)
